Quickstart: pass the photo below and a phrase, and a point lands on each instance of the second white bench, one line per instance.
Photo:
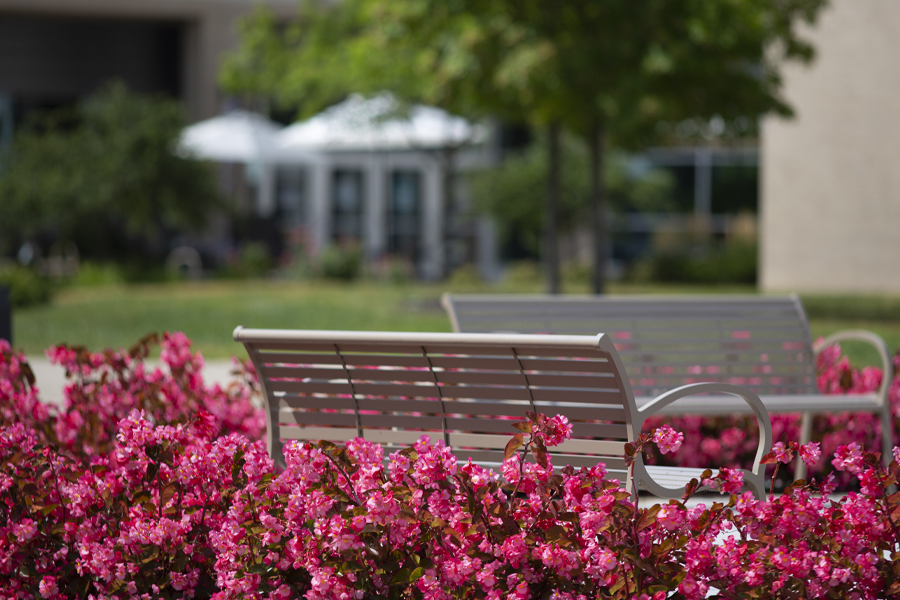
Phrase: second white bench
(759, 342)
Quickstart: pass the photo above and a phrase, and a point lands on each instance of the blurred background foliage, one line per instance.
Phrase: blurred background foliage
(514, 193)
(105, 176)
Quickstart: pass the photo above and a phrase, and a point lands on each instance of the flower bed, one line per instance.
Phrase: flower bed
(148, 485)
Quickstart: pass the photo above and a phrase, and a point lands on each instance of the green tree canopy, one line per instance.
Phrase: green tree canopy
(103, 170)
(608, 70)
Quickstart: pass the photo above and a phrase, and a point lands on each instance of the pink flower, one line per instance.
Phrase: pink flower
(667, 439)
(693, 589)
(556, 430)
(810, 453)
(849, 458)
(782, 454)
(48, 587)
(24, 530)
(671, 517)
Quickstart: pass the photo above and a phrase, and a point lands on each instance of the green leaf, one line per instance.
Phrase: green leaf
(237, 466)
(618, 585)
(665, 547)
(416, 575)
(49, 508)
(259, 568)
(402, 576)
(180, 561)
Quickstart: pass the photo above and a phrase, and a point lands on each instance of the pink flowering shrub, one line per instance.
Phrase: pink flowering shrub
(105, 387)
(732, 440)
(173, 512)
(135, 521)
(177, 504)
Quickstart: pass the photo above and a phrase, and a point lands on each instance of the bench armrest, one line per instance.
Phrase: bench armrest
(759, 409)
(876, 341)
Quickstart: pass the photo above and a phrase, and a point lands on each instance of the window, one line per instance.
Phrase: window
(347, 205)
(404, 214)
(290, 191)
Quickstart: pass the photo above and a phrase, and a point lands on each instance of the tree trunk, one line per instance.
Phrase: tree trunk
(551, 245)
(596, 143)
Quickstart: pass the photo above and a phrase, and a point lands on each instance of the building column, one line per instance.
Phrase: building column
(703, 182)
(432, 265)
(374, 234)
(319, 205)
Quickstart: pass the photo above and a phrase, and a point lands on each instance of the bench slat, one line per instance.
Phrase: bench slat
(789, 403)
(460, 407)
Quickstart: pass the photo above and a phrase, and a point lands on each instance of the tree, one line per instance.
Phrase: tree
(102, 171)
(619, 69)
(608, 70)
(514, 193)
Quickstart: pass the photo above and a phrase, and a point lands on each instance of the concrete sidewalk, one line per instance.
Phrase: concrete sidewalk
(51, 379)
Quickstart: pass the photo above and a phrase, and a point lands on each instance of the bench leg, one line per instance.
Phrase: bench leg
(806, 421)
(887, 437)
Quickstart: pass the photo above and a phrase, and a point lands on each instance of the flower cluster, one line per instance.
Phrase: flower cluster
(131, 523)
(732, 440)
(105, 387)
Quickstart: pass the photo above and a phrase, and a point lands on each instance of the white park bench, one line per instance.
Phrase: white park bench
(760, 342)
(468, 390)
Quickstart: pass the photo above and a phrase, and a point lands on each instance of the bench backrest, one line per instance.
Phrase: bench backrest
(466, 389)
(759, 342)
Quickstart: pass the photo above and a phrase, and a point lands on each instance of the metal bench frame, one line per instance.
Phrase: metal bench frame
(468, 389)
(761, 342)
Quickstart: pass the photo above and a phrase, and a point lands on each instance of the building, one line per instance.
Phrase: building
(54, 52)
(361, 175)
(830, 192)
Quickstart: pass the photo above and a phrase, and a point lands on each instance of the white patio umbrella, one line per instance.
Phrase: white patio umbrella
(238, 136)
(371, 124)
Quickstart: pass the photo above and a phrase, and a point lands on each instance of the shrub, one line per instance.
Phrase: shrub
(174, 512)
(96, 274)
(522, 273)
(104, 176)
(105, 387)
(341, 262)
(177, 504)
(26, 288)
(252, 260)
(730, 262)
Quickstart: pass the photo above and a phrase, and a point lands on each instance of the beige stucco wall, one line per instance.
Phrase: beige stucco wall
(830, 189)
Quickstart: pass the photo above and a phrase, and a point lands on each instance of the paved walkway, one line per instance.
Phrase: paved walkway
(51, 379)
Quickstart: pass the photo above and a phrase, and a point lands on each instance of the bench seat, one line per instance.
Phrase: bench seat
(796, 403)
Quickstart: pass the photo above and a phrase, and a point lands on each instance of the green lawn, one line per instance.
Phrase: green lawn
(118, 315)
